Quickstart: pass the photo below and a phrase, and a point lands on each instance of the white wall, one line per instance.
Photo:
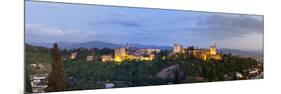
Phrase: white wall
(11, 57)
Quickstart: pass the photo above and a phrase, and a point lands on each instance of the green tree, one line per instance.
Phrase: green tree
(56, 79)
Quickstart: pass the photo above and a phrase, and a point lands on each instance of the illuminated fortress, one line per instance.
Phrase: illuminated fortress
(119, 54)
(204, 54)
(148, 54)
(144, 54)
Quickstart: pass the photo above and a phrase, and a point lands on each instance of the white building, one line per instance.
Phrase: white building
(90, 58)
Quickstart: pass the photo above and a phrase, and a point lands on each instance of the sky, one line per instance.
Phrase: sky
(47, 22)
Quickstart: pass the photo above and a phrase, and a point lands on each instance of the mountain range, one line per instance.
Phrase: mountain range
(96, 44)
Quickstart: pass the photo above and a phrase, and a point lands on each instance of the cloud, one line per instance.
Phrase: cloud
(178, 27)
(41, 30)
(228, 26)
(214, 27)
(118, 19)
(43, 33)
(126, 23)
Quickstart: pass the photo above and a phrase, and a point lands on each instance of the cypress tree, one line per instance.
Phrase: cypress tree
(56, 78)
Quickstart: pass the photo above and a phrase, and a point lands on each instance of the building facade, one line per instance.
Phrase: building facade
(119, 54)
(206, 54)
(106, 58)
(178, 48)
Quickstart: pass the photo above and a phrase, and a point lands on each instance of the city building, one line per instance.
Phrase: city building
(206, 54)
(119, 54)
(148, 57)
(73, 55)
(178, 48)
(90, 58)
(38, 66)
(38, 82)
(148, 50)
(148, 54)
(145, 54)
(213, 50)
(106, 58)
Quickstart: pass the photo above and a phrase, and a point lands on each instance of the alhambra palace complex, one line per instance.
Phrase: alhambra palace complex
(148, 54)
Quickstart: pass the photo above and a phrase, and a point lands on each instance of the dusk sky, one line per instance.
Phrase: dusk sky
(58, 22)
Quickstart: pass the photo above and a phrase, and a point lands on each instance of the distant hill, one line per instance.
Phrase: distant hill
(258, 55)
(29, 47)
(96, 44)
(37, 54)
(239, 52)
(150, 46)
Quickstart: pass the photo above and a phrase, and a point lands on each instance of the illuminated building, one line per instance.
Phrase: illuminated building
(90, 58)
(178, 48)
(106, 58)
(213, 50)
(148, 51)
(73, 55)
(206, 54)
(145, 54)
(119, 54)
(140, 57)
(150, 57)
(148, 54)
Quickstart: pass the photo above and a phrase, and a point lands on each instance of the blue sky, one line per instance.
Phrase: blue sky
(55, 22)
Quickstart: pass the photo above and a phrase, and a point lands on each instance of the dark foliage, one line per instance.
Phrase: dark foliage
(56, 79)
